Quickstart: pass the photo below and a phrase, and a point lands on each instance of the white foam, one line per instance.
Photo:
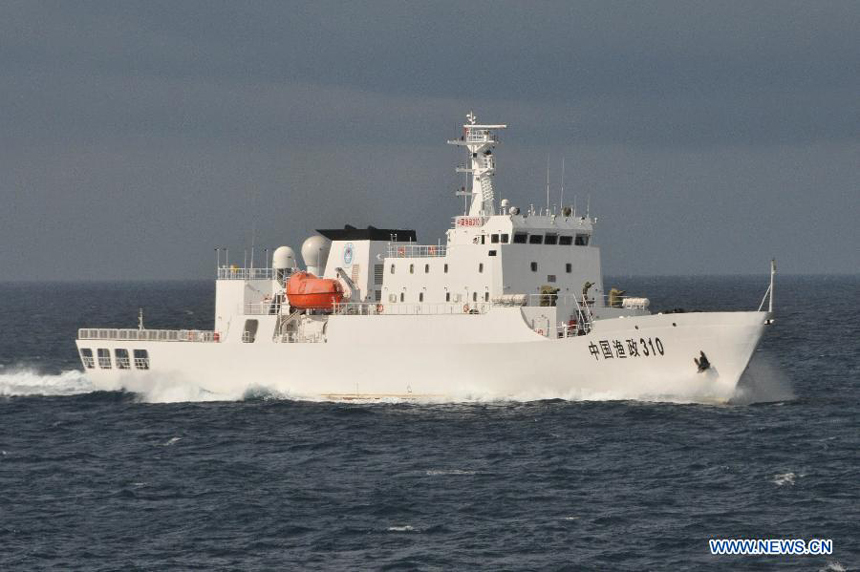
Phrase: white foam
(405, 528)
(172, 441)
(784, 479)
(22, 381)
(833, 567)
(763, 382)
(433, 472)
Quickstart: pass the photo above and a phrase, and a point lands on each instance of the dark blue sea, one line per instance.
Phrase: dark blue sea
(116, 481)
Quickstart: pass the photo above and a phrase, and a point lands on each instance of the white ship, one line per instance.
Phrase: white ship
(511, 306)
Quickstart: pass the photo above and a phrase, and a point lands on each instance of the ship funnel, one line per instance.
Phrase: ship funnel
(315, 254)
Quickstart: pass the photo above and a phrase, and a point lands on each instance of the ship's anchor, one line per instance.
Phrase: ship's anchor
(702, 362)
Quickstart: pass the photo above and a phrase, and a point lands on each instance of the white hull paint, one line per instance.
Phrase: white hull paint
(385, 363)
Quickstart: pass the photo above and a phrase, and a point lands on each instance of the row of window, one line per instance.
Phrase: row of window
(393, 297)
(568, 267)
(141, 358)
(548, 238)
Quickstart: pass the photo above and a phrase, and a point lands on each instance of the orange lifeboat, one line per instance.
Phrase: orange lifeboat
(306, 291)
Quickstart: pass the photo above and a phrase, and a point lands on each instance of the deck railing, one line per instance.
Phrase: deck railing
(149, 335)
(378, 309)
(235, 273)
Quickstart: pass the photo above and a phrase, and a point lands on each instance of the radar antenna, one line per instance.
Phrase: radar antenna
(479, 141)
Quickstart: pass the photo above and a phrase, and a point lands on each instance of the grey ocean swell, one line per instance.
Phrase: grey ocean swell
(103, 481)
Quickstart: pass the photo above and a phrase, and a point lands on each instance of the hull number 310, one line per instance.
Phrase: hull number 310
(612, 349)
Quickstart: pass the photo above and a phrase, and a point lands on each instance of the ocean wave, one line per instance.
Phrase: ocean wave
(22, 381)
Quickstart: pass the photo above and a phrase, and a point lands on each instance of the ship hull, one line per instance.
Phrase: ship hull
(461, 358)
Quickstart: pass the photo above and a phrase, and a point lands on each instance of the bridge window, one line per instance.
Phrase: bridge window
(564, 240)
(141, 359)
(104, 358)
(505, 238)
(568, 267)
(494, 238)
(581, 240)
(536, 239)
(87, 358)
(534, 266)
(521, 238)
(551, 239)
(122, 361)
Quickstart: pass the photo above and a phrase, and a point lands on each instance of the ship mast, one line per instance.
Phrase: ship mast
(479, 141)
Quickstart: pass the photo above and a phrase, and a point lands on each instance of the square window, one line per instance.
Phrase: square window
(521, 238)
(536, 239)
(87, 358)
(104, 358)
(494, 238)
(505, 238)
(141, 359)
(122, 361)
(551, 239)
(565, 240)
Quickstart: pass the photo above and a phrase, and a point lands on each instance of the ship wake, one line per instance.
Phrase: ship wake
(23, 381)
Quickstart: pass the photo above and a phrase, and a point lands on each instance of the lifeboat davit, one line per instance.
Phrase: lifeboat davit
(306, 291)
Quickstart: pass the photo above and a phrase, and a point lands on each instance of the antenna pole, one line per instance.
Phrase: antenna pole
(588, 206)
(547, 183)
(561, 200)
(772, 274)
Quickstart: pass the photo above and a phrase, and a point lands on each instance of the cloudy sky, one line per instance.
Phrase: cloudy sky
(710, 136)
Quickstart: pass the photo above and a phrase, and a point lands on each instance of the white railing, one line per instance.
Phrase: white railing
(299, 338)
(378, 309)
(149, 335)
(235, 273)
(261, 309)
(403, 250)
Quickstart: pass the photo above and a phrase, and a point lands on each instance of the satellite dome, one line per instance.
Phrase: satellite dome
(315, 253)
(283, 257)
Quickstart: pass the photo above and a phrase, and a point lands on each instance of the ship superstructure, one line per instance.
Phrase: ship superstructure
(512, 305)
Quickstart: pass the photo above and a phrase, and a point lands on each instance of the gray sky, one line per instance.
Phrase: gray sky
(138, 136)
